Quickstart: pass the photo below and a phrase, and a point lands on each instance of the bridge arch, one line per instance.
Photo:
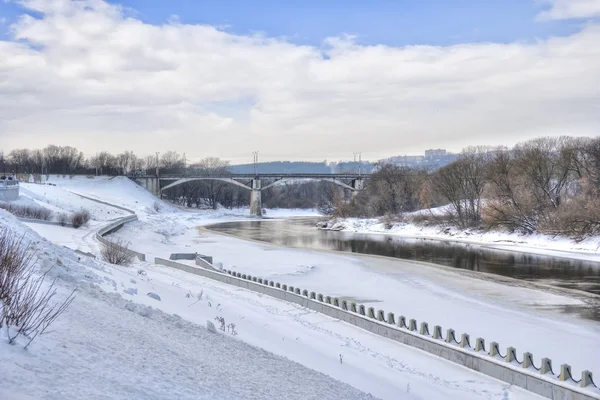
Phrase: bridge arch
(186, 180)
(332, 180)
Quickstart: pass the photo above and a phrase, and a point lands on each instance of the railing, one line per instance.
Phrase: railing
(259, 175)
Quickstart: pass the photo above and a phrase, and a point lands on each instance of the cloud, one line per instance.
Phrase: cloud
(86, 74)
(570, 9)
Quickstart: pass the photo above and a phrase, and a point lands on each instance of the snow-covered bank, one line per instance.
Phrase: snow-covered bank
(105, 346)
(163, 351)
(538, 244)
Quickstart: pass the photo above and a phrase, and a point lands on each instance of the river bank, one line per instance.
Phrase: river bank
(557, 246)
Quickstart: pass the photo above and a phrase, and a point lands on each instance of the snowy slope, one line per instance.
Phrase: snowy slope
(59, 200)
(119, 190)
(370, 363)
(105, 346)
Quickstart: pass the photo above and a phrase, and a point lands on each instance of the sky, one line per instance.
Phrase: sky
(296, 80)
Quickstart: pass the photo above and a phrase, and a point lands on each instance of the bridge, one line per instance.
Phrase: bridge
(253, 182)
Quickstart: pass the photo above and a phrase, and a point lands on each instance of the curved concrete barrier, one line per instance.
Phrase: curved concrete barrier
(115, 226)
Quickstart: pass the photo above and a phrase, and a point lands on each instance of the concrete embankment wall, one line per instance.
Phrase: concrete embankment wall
(506, 367)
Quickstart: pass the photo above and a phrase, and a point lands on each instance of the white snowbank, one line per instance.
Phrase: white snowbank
(537, 243)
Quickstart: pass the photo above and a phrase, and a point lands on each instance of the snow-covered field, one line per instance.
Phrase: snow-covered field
(138, 347)
(540, 244)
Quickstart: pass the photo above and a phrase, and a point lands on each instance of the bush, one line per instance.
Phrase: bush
(117, 253)
(62, 219)
(27, 211)
(80, 218)
(25, 300)
(156, 206)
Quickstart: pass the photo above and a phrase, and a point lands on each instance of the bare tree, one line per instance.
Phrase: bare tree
(171, 162)
(21, 159)
(462, 183)
(393, 190)
(117, 252)
(27, 306)
(125, 161)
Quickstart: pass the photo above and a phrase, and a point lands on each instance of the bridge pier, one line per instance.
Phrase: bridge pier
(150, 183)
(256, 198)
(358, 185)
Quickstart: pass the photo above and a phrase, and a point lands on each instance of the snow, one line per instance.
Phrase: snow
(107, 347)
(60, 200)
(117, 339)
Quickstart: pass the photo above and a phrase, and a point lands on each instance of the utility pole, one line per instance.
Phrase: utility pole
(157, 153)
(359, 162)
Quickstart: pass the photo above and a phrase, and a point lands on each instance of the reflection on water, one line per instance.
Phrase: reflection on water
(563, 272)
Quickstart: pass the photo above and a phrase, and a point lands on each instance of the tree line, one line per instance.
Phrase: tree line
(547, 185)
(67, 160)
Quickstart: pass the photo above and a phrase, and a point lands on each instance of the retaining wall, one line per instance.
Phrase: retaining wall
(190, 256)
(199, 259)
(433, 340)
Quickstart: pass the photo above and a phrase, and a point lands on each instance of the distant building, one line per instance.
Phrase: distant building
(9, 188)
(432, 160)
(435, 153)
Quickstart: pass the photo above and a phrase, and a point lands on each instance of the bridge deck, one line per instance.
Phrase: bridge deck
(260, 176)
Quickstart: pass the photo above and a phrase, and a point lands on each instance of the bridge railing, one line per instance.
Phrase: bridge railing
(256, 176)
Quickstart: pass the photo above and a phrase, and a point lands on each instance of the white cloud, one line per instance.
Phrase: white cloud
(85, 74)
(570, 9)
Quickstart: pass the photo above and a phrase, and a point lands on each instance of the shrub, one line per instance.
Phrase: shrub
(26, 306)
(27, 211)
(156, 206)
(117, 253)
(80, 218)
(62, 219)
